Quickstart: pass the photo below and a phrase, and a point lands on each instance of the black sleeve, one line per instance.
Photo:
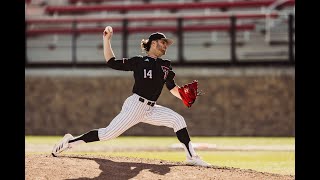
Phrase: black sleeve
(123, 64)
(170, 79)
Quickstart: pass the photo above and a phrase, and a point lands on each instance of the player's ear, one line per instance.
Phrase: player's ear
(153, 43)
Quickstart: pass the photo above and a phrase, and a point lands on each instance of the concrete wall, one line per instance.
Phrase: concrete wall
(234, 104)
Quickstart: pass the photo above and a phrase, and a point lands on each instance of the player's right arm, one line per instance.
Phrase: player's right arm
(107, 50)
(125, 64)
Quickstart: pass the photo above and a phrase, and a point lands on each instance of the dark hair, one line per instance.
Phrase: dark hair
(145, 44)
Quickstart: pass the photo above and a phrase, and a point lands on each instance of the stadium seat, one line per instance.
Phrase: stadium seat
(72, 9)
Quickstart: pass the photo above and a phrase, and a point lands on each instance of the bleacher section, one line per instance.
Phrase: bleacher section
(51, 24)
(225, 5)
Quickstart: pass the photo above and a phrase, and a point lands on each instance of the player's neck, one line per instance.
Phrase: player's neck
(153, 56)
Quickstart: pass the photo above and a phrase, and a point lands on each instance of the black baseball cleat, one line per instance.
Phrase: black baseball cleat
(53, 155)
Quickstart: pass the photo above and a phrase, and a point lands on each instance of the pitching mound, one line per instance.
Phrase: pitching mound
(103, 167)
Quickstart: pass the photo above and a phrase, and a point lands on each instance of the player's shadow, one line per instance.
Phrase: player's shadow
(124, 170)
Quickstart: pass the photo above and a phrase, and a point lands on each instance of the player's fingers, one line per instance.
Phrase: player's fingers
(108, 31)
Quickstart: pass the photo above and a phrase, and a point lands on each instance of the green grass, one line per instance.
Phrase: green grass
(167, 141)
(279, 162)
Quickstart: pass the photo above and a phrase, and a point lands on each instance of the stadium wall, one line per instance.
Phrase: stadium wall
(235, 103)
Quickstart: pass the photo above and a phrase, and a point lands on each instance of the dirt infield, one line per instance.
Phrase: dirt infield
(44, 166)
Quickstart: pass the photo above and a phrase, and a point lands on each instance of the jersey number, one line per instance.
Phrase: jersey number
(149, 74)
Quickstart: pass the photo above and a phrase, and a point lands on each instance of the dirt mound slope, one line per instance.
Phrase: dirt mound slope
(82, 167)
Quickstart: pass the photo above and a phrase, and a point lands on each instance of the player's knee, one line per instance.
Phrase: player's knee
(179, 123)
(180, 118)
(107, 134)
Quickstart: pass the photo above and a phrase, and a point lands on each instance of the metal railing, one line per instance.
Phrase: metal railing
(179, 31)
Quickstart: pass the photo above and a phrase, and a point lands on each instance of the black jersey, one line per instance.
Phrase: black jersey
(150, 74)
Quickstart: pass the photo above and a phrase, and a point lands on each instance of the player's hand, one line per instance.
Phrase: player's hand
(107, 33)
(189, 93)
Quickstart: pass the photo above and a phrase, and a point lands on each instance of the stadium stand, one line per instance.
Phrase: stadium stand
(167, 6)
(54, 27)
(149, 18)
(100, 1)
(140, 29)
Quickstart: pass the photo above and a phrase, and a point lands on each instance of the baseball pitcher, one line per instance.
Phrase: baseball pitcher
(150, 73)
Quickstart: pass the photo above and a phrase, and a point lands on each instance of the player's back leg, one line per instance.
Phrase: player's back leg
(62, 145)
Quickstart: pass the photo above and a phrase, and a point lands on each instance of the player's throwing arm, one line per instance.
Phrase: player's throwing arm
(107, 50)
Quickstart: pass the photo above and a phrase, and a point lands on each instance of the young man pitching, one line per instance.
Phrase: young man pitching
(150, 72)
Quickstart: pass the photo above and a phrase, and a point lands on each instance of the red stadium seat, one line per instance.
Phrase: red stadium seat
(164, 6)
(96, 1)
(148, 18)
(95, 30)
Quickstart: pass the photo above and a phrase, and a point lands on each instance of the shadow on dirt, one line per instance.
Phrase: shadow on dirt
(124, 170)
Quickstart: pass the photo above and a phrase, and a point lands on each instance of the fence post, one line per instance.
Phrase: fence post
(290, 28)
(125, 38)
(233, 39)
(74, 43)
(180, 41)
(25, 44)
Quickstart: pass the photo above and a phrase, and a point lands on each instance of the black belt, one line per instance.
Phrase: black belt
(149, 102)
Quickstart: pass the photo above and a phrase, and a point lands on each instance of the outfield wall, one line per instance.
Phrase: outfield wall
(237, 102)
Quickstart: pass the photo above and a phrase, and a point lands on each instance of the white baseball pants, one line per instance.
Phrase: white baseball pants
(134, 111)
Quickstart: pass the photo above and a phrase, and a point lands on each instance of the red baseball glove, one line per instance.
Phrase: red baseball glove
(189, 93)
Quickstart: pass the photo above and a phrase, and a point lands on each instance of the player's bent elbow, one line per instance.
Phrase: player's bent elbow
(109, 58)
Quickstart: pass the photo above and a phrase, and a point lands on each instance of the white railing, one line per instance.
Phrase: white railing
(269, 20)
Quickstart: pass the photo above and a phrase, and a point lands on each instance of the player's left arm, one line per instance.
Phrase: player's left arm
(171, 85)
(175, 92)
(187, 93)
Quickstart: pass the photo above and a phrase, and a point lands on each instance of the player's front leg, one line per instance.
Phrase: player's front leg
(192, 158)
(163, 116)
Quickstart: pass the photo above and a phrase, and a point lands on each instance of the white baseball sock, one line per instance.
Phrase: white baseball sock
(189, 149)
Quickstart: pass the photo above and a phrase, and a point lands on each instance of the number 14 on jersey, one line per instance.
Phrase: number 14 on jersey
(147, 74)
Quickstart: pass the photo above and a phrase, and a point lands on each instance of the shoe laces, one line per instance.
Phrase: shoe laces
(194, 157)
(197, 157)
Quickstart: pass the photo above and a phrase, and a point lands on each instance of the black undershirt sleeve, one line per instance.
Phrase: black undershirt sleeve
(124, 64)
(170, 83)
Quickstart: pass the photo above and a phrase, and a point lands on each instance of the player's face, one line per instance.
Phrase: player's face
(162, 46)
